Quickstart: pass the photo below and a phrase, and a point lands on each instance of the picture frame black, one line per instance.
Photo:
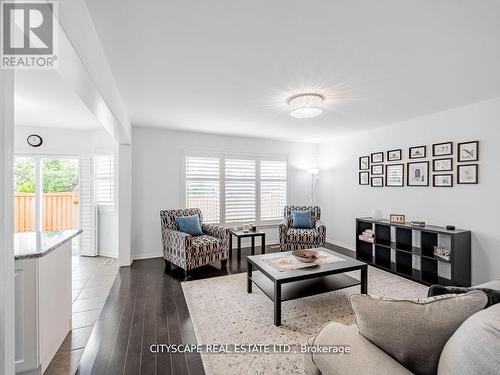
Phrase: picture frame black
(377, 169)
(436, 176)
(377, 157)
(436, 152)
(394, 155)
(360, 181)
(461, 181)
(388, 175)
(361, 166)
(460, 152)
(435, 169)
(417, 152)
(410, 180)
(379, 183)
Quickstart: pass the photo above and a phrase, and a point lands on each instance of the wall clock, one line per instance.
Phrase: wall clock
(34, 140)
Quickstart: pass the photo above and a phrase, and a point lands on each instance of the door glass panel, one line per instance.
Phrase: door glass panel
(24, 194)
(59, 194)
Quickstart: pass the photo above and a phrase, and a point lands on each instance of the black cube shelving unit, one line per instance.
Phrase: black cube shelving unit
(397, 249)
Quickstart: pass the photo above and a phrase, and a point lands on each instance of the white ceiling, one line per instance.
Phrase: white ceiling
(41, 98)
(228, 66)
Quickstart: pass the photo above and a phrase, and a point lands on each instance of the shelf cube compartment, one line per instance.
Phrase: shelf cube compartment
(403, 262)
(383, 256)
(403, 239)
(383, 234)
(429, 270)
(428, 241)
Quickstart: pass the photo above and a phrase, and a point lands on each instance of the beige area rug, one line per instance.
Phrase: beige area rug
(224, 313)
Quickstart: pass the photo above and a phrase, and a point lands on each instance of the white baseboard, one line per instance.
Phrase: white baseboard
(108, 255)
(341, 244)
(147, 256)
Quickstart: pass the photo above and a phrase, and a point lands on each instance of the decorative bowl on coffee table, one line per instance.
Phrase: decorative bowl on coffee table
(306, 256)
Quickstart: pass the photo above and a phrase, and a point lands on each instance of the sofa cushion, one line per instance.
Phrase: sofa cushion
(205, 245)
(494, 284)
(189, 224)
(437, 290)
(475, 346)
(414, 332)
(302, 219)
(300, 235)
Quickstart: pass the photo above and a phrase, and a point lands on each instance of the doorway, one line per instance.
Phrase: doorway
(46, 194)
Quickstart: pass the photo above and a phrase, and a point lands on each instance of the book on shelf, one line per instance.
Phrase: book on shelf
(370, 231)
(442, 253)
(366, 239)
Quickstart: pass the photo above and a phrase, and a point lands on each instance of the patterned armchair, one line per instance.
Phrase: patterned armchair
(188, 252)
(300, 238)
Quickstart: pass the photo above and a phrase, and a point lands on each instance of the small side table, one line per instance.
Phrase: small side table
(239, 234)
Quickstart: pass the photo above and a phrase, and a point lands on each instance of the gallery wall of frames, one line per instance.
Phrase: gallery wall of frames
(438, 165)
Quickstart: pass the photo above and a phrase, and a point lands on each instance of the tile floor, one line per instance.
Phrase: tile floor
(92, 281)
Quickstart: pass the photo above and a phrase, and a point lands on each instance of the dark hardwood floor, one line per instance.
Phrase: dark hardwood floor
(146, 306)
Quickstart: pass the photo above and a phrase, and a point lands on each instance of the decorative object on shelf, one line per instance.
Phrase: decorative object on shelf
(418, 173)
(377, 181)
(394, 175)
(418, 152)
(468, 151)
(306, 105)
(377, 214)
(442, 149)
(247, 228)
(467, 174)
(418, 224)
(253, 228)
(364, 163)
(364, 178)
(368, 235)
(397, 219)
(377, 157)
(34, 140)
(450, 227)
(306, 256)
(377, 169)
(442, 165)
(442, 180)
(394, 155)
(442, 253)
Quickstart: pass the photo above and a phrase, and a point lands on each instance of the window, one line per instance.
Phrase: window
(203, 186)
(236, 189)
(272, 189)
(105, 179)
(240, 190)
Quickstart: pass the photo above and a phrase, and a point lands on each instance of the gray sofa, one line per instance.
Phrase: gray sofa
(474, 348)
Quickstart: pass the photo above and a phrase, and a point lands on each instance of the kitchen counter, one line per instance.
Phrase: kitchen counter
(38, 244)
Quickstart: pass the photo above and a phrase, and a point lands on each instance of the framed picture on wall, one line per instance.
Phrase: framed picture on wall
(468, 151)
(364, 178)
(377, 181)
(418, 173)
(442, 149)
(418, 152)
(377, 157)
(467, 174)
(377, 169)
(442, 165)
(394, 155)
(442, 180)
(394, 175)
(364, 163)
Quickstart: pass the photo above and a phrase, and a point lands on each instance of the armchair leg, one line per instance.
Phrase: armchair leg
(168, 266)
(223, 263)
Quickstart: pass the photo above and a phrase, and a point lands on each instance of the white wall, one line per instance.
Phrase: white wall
(473, 207)
(157, 174)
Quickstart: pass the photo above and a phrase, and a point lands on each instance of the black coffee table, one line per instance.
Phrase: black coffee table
(282, 286)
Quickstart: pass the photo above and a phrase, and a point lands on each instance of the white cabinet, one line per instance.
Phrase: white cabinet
(43, 308)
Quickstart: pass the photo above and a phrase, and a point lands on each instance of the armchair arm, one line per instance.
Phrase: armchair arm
(175, 242)
(321, 229)
(283, 228)
(215, 231)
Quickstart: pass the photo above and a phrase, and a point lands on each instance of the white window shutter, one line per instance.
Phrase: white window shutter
(88, 208)
(240, 192)
(273, 189)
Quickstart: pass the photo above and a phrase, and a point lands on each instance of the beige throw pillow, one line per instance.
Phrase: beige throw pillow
(414, 332)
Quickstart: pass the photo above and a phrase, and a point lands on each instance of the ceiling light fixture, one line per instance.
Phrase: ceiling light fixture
(306, 105)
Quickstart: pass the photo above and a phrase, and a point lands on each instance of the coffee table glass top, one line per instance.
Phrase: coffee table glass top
(349, 264)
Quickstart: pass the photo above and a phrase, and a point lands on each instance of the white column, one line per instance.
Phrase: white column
(7, 317)
(124, 204)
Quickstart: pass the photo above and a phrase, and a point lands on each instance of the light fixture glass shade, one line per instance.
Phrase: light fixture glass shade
(306, 105)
